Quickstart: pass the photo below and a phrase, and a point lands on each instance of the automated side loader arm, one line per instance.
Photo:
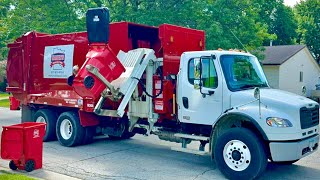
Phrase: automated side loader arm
(135, 62)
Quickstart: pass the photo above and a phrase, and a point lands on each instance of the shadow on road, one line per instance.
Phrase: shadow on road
(294, 171)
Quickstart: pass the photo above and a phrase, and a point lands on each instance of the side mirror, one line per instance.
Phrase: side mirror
(256, 93)
(304, 90)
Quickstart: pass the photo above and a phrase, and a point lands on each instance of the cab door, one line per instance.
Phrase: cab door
(200, 96)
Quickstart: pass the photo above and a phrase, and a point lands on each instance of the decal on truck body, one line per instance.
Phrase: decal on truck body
(58, 61)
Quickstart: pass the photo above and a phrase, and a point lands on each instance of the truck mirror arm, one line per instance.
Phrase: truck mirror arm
(210, 92)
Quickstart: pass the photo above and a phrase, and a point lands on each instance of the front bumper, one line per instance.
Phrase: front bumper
(289, 151)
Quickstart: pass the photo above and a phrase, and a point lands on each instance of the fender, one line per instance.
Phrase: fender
(229, 115)
(245, 117)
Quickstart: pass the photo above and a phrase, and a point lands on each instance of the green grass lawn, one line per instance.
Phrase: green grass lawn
(3, 94)
(4, 175)
(4, 103)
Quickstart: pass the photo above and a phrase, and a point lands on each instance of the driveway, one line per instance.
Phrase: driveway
(145, 158)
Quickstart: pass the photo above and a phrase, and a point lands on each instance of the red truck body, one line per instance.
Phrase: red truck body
(26, 64)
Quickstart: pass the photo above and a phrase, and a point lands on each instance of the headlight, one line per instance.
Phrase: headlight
(278, 122)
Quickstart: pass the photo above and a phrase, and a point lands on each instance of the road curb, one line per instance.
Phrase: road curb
(41, 174)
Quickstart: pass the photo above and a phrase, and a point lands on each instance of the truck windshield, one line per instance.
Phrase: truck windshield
(242, 72)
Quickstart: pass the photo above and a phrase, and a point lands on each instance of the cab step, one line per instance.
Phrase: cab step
(186, 139)
(191, 151)
(192, 137)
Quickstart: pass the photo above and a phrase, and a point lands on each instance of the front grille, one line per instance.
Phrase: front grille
(309, 117)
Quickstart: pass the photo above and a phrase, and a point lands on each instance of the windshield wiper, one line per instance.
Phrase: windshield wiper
(246, 86)
(261, 85)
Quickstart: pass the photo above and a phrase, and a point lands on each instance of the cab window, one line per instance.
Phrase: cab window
(209, 75)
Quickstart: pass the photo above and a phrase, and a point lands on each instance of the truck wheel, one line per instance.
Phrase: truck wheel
(125, 135)
(12, 165)
(50, 118)
(69, 131)
(239, 154)
(286, 162)
(89, 132)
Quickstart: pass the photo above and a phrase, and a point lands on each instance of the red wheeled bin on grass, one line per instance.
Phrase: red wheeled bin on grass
(22, 144)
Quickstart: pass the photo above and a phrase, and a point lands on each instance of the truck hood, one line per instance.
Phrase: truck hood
(271, 96)
(274, 103)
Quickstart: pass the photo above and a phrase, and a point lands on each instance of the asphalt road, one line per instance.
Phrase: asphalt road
(145, 158)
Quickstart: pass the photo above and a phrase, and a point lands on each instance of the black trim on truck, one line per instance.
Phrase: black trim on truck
(309, 117)
(296, 140)
(245, 117)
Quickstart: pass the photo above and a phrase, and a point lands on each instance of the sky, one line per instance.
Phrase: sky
(290, 2)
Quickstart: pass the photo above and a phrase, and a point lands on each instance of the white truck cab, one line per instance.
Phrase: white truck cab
(251, 122)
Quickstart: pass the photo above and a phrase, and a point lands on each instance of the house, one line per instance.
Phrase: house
(290, 67)
(2, 70)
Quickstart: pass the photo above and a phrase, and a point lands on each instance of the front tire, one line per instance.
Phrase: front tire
(239, 154)
(69, 131)
(286, 162)
(50, 118)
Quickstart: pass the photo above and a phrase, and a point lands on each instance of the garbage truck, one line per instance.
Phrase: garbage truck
(122, 79)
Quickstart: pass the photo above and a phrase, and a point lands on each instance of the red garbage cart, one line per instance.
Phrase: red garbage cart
(22, 144)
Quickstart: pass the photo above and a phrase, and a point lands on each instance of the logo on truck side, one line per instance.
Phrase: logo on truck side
(58, 61)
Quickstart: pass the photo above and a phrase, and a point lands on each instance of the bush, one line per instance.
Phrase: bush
(3, 86)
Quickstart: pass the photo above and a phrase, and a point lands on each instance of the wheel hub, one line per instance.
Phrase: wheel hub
(66, 129)
(42, 120)
(237, 155)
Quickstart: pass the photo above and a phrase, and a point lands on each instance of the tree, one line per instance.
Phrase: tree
(280, 21)
(308, 15)
(232, 24)
(228, 23)
(284, 26)
(4, 8)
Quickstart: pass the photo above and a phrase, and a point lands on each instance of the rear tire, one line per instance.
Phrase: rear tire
(239, 154)
(12, 165)
(69, 131)
(88, 135)
(125, 135)
(50, 118)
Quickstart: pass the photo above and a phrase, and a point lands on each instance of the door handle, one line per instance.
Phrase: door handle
(185, 102)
